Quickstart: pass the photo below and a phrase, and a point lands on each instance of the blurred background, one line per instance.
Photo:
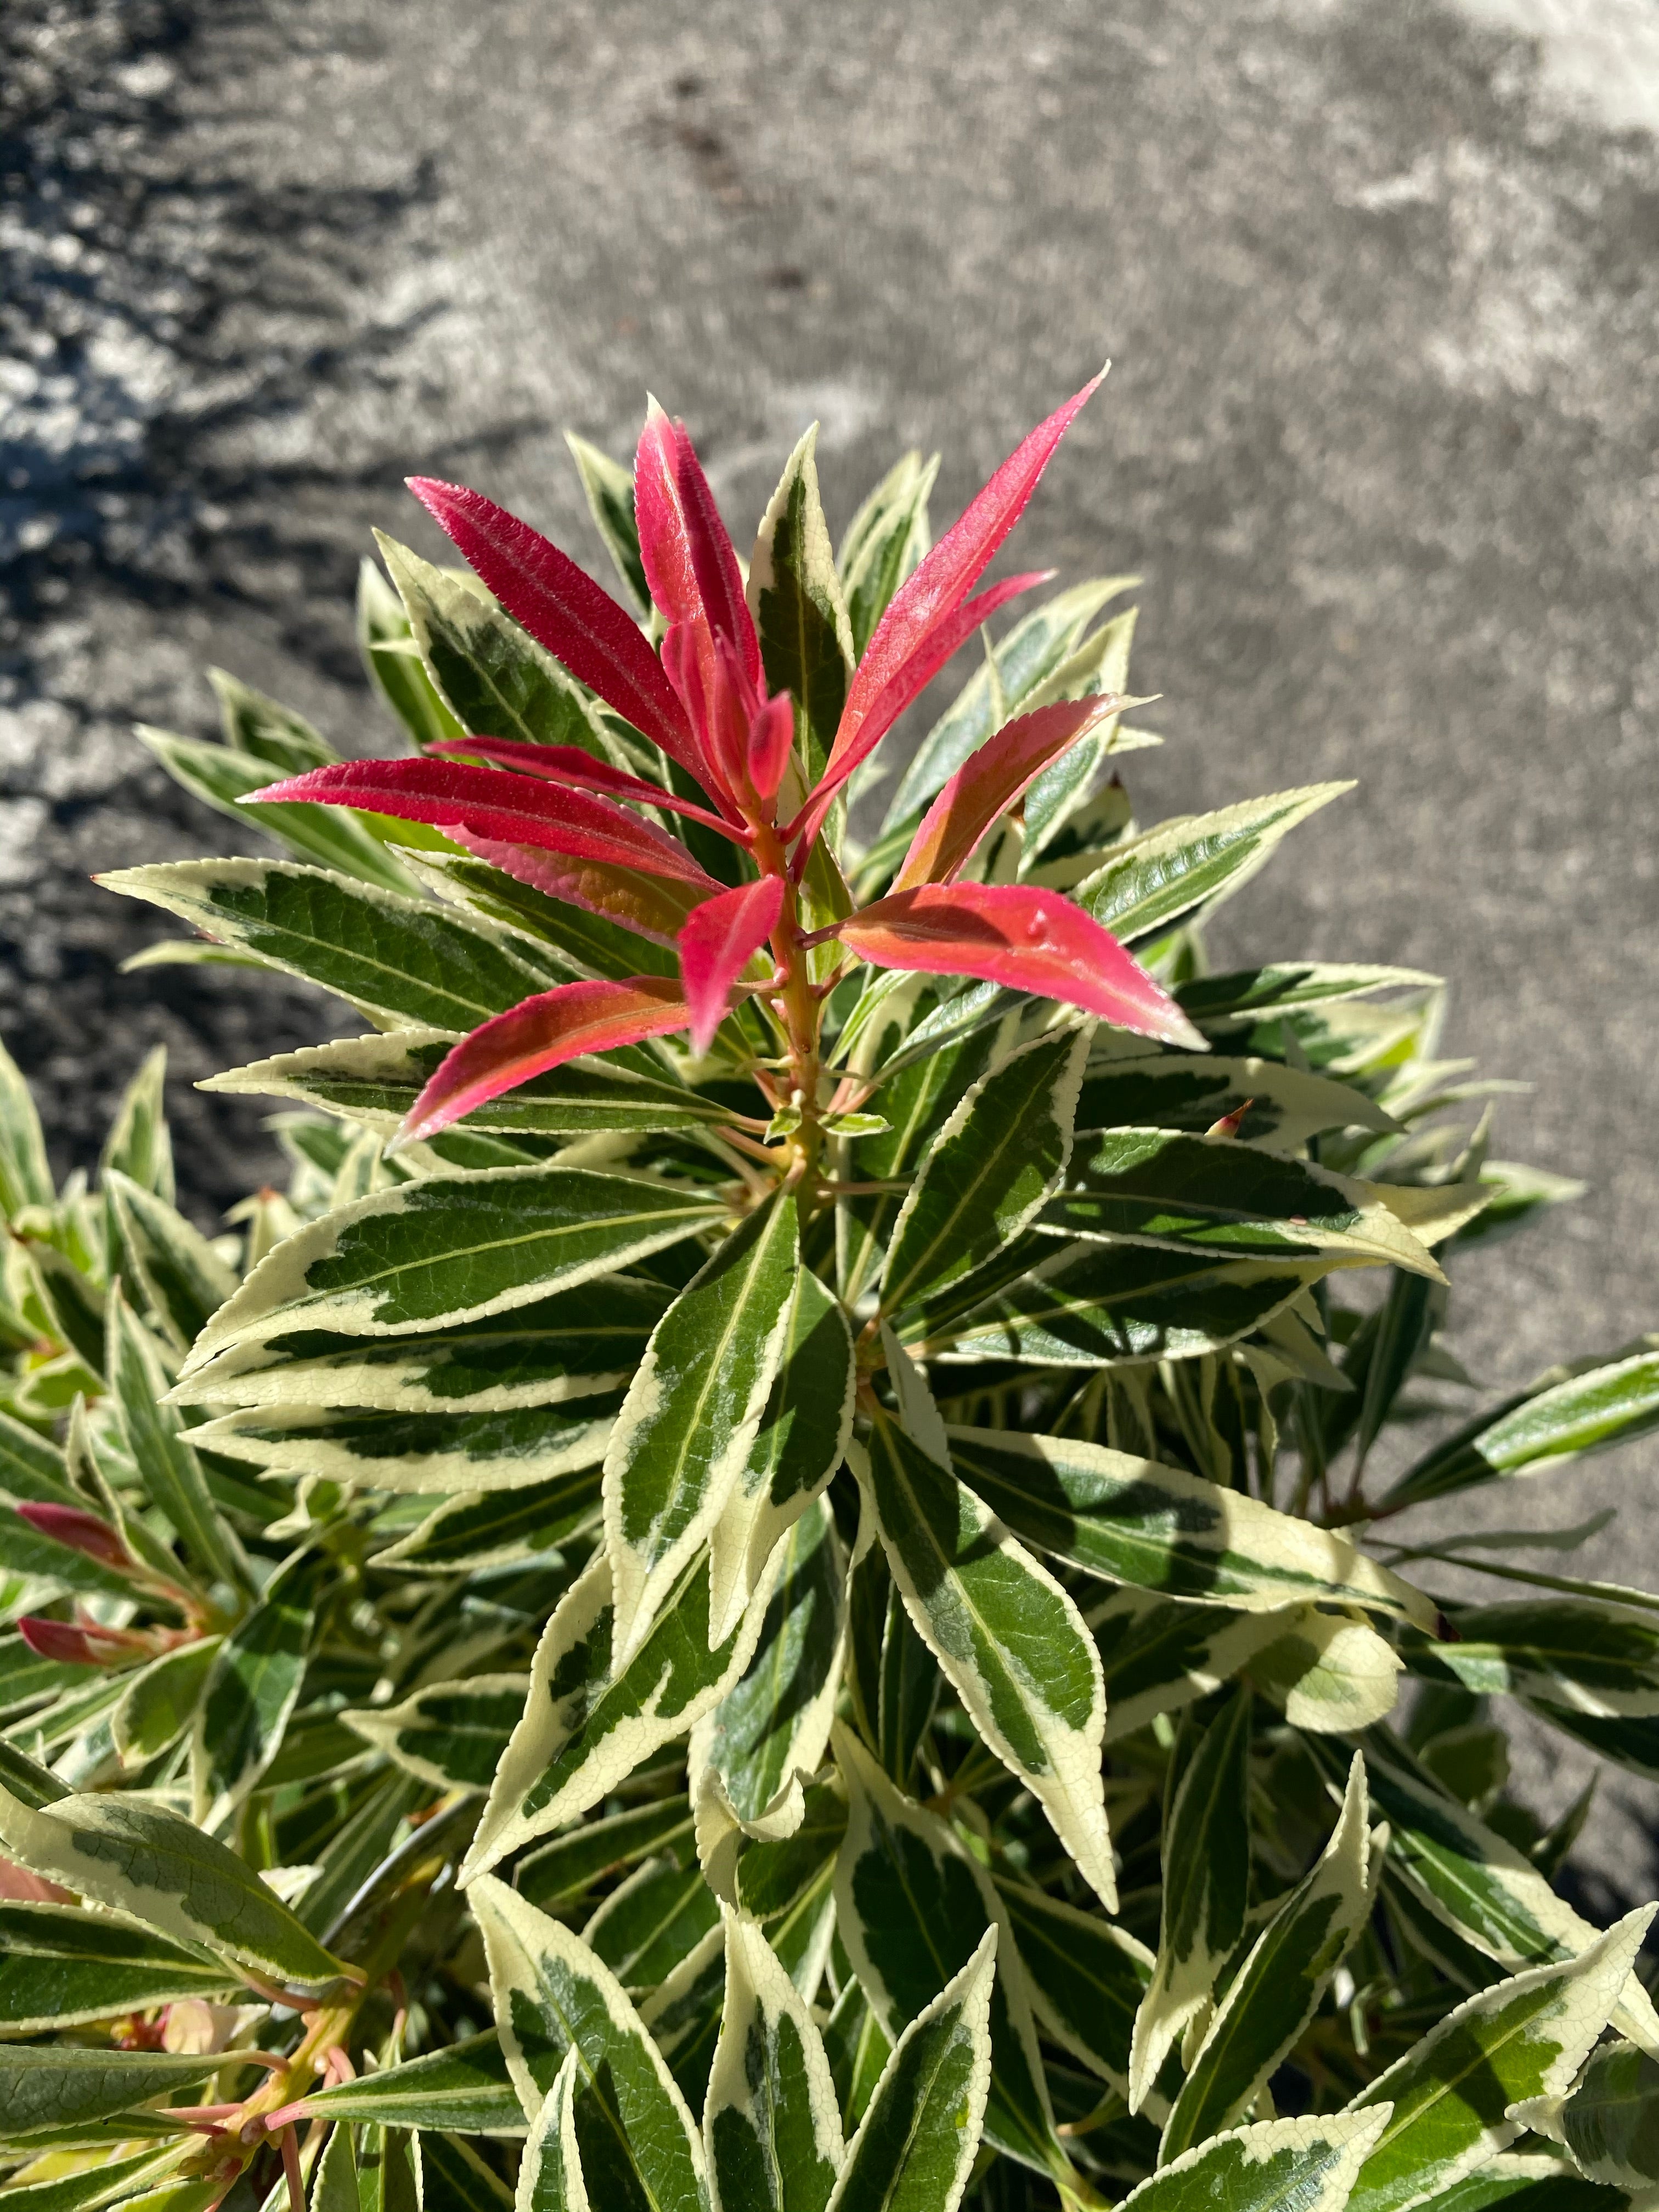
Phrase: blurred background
(1379, 285)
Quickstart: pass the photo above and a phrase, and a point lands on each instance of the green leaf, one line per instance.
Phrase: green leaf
(253, 1689)
(916, 2144)
(584, 1727)
(374, 1081)
(110, 2180)
(1251, 995)
(181, 1279)
(795, 596)
(391, 661)
(1454, 2095)
(1207, 1883)
(397, 960)
(913, 1906)
(1008, 1637)
(139, 1145)
(453, 1248)
(1277, 1990)
(885, 541)
(490, 1528)
(1482, 1886)
(683, 2016)
(1159, 1529)
(989, 1170)
(139, 1858)
(49, 2088)
(1093, 1305)
(449, 1734)
(1180, 1192)
(159, 1702)
(907, 1691)
(651, 1922)
(1034, 653)
(567, 1867)
(464, 1451)
(332, 836)
(26, 1551)
(32, 1465)
(1195, 861)
(1611, 2121)
(25, 1171)
(253, 724)
(465, 2089)
(553, 1996)
(1277, 2166)
(494, 676)
(774, 1722)
(1084, 1976)
(772, 2135)
(691, 1415)
(1540, 1430)
(798, 1445)
(63, 1968)
(169, 1473)
(610, 489)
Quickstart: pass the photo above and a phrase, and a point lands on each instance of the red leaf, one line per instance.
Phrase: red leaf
(691, 562)
(81, 1532)
(950, 572)
(907, 685)
(989, 782)
(562, 608)
(491, 803)
(1029, 939)
(81, 1643)
(771, 735)
(539, 1034)
(580, 771)
(651, 906)
(717, 945)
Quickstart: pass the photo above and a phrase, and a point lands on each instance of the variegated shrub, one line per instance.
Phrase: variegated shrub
(785, 1577)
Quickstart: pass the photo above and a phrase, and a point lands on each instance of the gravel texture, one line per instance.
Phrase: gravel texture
(1380, 286)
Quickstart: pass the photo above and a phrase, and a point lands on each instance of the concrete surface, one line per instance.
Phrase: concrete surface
(1380, 287)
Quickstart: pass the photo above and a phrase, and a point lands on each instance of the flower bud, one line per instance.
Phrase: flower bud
(81, 1532)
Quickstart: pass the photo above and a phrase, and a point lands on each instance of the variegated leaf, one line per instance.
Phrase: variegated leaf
(1159, 1655)
(253, 1687)
(1276, 2165)
(63, 2088)
(489, 1528)
(651, 1922)
(1206, 1881)
(1194, 861)
(422, 1452)
(452, 1249)
(1085, 1977)
(773, 1725)
(989, 1170)
(1276, 1107)
(1453, 2096)
(584, 1726)
(1136, 1521)
(1219, 1195)
(450, 1734)
(916, 2144)
(564, 1870)
(1277, 1990)
(64, 1967)
(690, 1417)
(1327, 1675)
(798, 1445)
(553, 1996)
(1009, 1638)
(795, 596)
(374, 1081)
(771, 2125)
(1610, 2122)
(138, 1859)
(913, 1907)
(465, 2088)
(179, 1276)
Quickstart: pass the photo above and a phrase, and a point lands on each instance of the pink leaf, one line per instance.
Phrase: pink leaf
(1029, 939)
(691, 562)
(563, 609)
(717, 945)
(539, 1034)
(651, 906)
(81, 1643)
(950, 572)
(450, 795)
(990, 781)
(907, 685)
(81, 1532)
(581, 771)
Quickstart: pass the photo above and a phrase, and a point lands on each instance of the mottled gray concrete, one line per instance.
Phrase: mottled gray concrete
(1380, 288)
